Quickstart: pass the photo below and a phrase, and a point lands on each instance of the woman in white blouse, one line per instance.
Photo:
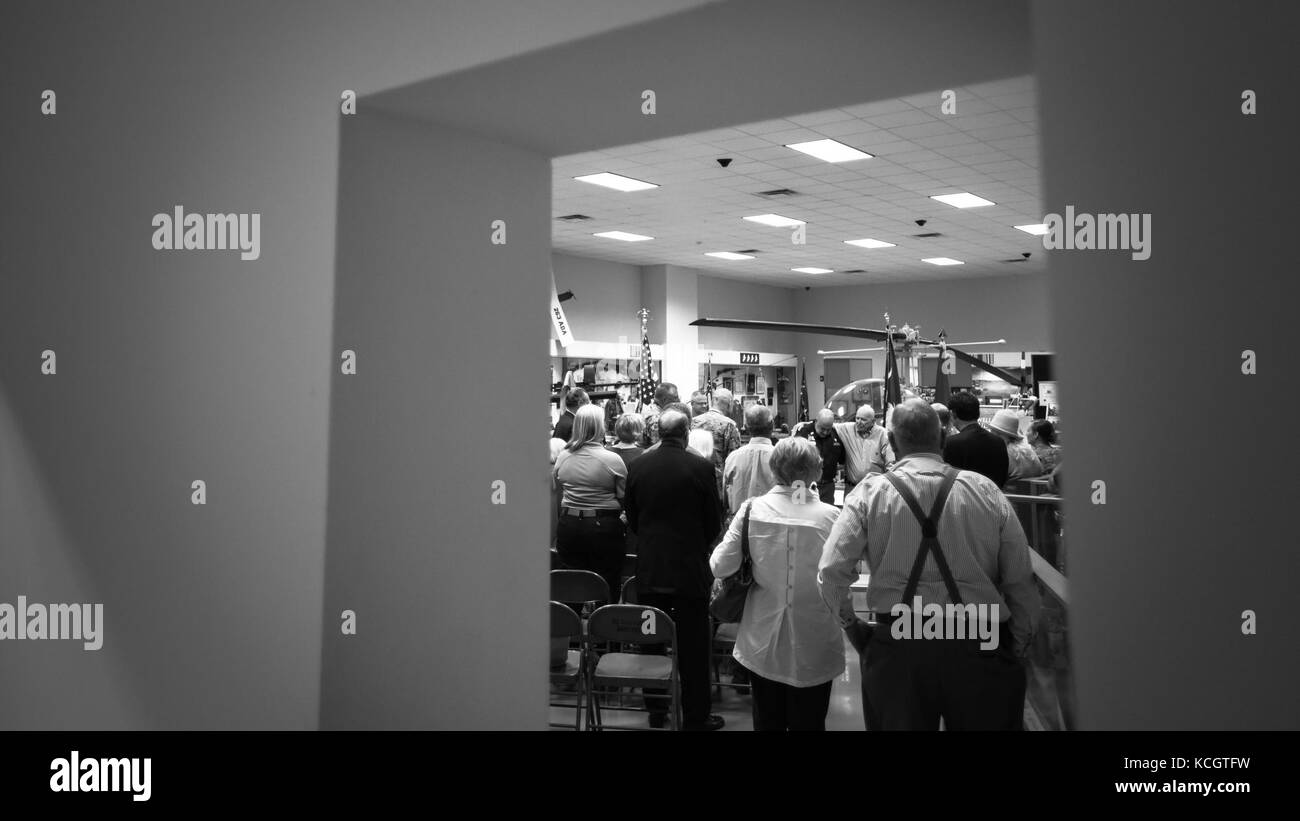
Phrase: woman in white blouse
(788, 640)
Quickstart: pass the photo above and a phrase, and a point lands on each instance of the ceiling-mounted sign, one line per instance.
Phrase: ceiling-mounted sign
(562, 329)
(748, 358)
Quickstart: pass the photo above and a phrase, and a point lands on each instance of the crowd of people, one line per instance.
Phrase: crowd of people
(681, 490)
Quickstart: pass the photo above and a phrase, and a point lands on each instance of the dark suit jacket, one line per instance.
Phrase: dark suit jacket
(672, 506)
(976, 449)
(563, 427)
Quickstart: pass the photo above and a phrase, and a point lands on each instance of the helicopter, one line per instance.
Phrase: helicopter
(902, 344)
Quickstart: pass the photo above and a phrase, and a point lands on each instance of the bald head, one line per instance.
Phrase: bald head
(865, 419)
(674, 424)
(722, 401)
(915, 429)
(825, 420)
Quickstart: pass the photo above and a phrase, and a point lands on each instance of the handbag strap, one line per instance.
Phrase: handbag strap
(929, 534)
(744, 533)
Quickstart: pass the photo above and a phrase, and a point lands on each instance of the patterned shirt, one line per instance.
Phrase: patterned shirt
(726, 436)
(1049, 455)
(650, 415)
(979, 533)
(1022, 462)
(863, 455)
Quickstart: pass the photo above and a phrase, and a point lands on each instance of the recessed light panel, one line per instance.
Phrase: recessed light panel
(943, 261)
(775, 220)
(1037, 229)
(728, 255)
(623, 235)
(830, 151)
(616, 181)
(963, 200)
(869, 243)
(813, 270)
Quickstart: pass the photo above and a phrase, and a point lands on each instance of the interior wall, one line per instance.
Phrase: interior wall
(606, 298)
(176, 366)
(736, 299)
(1141, 118)
(423, 544)
(1014, 308)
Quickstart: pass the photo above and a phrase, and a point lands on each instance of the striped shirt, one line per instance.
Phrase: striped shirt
(979, 532)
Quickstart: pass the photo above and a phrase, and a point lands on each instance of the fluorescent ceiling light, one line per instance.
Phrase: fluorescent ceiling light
(830, 151)
(623, 235)
(943, 261)
(775, 220)
(617, 182)
(728, 255)
(813, 270)
(1037, 229)
(963, 200)
(869, 243)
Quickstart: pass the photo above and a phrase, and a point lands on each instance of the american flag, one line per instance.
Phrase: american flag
(893, 388)
(803, 393)
(646, 387)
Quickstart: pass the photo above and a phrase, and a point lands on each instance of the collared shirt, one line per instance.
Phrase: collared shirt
(592, 477)
(863, 455)
(748, 472)
(979, 532)
(726, 436)
(786, 633)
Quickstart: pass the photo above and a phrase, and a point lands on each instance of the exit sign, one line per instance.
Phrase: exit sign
(749, 359)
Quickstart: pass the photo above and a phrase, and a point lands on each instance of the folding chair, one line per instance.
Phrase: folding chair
(723, 642)
(565, 624)
(629, 565)
(636, 625)
(578, 587)
(628, 593)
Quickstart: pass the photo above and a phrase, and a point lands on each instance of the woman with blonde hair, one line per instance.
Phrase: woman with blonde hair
(591, 481)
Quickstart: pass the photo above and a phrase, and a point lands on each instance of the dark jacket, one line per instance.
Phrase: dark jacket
(563, 426)
(976, 449)
(672, 506)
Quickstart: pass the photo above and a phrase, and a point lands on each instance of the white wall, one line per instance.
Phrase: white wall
(607, 296)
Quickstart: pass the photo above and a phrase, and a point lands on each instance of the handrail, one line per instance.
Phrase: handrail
(1050, 576)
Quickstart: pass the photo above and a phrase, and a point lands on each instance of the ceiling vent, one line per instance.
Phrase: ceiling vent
(854, 271)
(748, 251)
(930, 235)
(574, 218)
(778, 192)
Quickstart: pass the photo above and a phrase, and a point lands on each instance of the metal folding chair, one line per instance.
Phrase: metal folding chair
(635, 625)
(572, 671)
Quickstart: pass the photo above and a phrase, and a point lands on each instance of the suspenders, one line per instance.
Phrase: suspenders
(929, 535)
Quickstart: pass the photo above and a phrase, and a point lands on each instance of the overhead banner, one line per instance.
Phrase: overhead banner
(562, 329)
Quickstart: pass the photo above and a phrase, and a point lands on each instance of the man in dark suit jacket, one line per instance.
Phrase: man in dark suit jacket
(672, 506)
(973, 447)
(575, 399)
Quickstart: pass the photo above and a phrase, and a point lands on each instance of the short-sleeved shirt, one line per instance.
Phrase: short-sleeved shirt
(726, 436)
(591, 477)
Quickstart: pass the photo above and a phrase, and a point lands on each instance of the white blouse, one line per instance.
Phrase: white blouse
(787, 633)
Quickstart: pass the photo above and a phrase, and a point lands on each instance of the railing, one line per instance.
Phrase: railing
(1050, 693)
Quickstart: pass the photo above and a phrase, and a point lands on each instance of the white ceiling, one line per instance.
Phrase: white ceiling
(989, 148)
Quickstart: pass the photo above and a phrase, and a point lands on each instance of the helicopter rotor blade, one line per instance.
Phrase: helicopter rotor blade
(796, 327)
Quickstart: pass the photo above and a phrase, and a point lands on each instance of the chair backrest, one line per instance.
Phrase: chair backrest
(564, 622)
(631, 624)
(578, 586)
(628, 594)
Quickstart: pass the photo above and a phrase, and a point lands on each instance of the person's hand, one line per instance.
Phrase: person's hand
(859, 633)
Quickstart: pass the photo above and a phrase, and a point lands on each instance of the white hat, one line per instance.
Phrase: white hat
(1006, 421)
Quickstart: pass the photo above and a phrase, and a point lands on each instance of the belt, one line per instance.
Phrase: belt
(590, 514)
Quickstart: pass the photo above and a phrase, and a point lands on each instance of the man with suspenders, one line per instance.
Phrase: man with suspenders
(966, 666)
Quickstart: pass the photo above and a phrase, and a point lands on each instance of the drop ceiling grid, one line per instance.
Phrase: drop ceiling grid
(989, 148)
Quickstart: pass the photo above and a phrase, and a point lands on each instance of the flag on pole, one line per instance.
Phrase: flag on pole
(893, 388)
(942, 392)
(803, 391)
(646, 386)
